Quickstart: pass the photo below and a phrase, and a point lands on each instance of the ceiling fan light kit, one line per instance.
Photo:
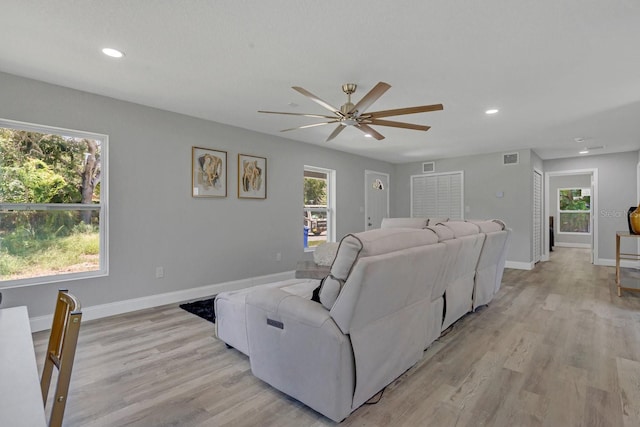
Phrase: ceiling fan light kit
(350, 114)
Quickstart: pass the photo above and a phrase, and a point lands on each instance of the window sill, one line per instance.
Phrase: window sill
(45, 280)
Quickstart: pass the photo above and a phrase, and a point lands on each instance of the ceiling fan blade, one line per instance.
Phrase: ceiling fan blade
(335, 132)
(371, 97)
(369, 130)
(397, 124)
(319, 101)
(311, 125)
(320, 116)
(403, 111)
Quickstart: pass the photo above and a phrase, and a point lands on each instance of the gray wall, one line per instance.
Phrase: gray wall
(484, 176)
(569, 181)
(154, 221)
(617, 191)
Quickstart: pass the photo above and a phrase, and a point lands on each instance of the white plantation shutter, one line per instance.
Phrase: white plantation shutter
(437, 196)
(537, 216)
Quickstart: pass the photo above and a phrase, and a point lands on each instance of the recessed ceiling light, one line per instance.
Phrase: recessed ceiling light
(114, 53)
(585, 151)
(578, 139)
(491, 111)
(366, 135)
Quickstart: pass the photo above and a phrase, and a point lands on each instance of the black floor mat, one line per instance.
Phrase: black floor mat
(203, 308)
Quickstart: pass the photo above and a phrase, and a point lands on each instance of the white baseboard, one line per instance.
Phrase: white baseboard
(519, 265)
(42, 323)
(572, 245)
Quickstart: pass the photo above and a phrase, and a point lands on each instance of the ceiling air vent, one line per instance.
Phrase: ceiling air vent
(428, 167)
(510, 159)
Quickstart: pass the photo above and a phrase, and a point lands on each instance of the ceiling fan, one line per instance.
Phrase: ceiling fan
(355, 115)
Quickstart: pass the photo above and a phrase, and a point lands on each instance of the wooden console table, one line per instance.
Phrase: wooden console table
(632, 276)
(20, 396)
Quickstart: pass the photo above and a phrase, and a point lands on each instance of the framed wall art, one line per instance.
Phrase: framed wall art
(252, 177)
(208, 172)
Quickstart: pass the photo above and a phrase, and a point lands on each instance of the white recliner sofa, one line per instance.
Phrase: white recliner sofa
(390, 294)
(487, 273)
(368, 329)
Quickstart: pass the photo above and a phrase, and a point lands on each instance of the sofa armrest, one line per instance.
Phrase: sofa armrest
(295, 346)
(280, 303)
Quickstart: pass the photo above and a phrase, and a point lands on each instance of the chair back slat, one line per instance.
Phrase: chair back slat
(61, 351)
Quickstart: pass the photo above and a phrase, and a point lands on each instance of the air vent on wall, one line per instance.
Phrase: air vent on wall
(428, 167)
(510, 159)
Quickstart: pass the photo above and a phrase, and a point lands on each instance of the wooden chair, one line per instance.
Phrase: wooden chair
(61, 352)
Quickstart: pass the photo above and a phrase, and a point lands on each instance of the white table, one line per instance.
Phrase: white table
(627, 279)
(20, 395)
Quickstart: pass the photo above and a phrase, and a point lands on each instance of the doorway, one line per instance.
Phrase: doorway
(571, 198)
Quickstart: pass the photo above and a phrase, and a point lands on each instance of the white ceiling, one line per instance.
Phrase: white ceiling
(557, 70)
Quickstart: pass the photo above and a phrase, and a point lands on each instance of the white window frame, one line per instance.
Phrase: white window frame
(102, 206)
(590, 212)
(437, 176)
(330, 210)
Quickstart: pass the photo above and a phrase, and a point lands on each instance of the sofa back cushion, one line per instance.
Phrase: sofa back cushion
(381, 285)
(462, 228)
(368, 243)
(443, 232)
(434, 221)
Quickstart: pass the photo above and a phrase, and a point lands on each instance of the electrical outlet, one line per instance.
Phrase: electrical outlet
(278, 256)
(159, 272)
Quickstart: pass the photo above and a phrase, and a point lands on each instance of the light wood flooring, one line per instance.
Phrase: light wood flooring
(557, 347)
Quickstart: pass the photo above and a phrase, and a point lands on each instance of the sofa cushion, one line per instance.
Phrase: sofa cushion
(348, 251)
(403, 223)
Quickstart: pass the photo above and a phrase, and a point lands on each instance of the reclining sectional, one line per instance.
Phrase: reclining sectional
(390, 293)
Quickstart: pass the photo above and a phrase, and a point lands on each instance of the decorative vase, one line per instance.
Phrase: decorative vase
(634, 220)
(631, 209)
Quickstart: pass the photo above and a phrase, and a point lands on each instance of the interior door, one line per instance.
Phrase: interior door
(376, 198)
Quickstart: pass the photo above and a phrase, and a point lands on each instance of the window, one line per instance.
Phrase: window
(438, 195)
(319, 206)
(53, 188)
(574, 210)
